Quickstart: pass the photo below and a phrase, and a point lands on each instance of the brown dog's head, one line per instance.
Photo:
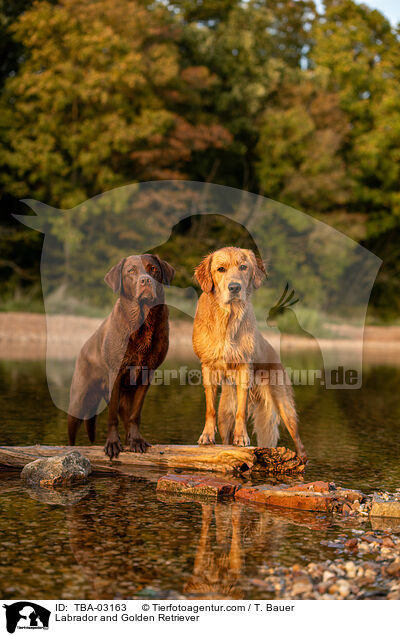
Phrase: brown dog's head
(140, 278)
(230, 273)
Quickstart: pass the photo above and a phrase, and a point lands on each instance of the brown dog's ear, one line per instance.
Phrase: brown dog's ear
(259, 271)
(203, 275)
(167, 270)
(113, 278)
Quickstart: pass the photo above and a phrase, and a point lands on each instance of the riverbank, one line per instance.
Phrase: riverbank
(24, 336)
(366, 566)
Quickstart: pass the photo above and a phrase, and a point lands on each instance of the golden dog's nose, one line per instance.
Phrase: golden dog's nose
(234, 288)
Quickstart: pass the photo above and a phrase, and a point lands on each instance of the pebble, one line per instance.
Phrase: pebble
(386, 551)
(394, 567)
(388, 542)
(343, 587)
(302, 585)
(353, 578)
(370, 538)
(350, 569)
(370, 575)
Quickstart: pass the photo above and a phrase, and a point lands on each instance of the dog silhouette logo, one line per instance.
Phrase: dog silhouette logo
(26, 615)
(332, 274)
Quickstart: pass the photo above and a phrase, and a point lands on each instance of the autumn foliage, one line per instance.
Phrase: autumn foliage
(271, 97)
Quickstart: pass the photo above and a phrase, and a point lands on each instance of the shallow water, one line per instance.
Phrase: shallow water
(119, 539)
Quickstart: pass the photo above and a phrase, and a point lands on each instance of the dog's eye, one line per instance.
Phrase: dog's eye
(221, 269)
(132, 270)
(243, 267)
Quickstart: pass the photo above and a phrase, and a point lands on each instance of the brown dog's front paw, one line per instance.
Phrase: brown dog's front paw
(113, 446)
(138, 445)
(241, 440)
(206, 438)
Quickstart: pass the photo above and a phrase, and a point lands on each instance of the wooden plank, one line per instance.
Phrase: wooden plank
(225, 459)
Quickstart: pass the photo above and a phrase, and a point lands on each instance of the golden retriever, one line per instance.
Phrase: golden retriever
(233, 353)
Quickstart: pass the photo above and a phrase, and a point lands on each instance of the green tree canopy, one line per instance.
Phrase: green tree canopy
(271, 97)
(300, 148)
(102, 99)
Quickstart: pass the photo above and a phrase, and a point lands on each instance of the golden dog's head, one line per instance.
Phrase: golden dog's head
(231, 274)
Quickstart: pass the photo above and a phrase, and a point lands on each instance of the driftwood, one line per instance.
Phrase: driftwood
(225, 459)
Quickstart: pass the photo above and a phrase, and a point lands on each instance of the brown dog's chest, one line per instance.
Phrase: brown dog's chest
(133, 347)
(148, 345)
(140, 345)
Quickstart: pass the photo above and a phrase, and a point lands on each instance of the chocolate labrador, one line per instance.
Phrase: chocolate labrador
(118, 361)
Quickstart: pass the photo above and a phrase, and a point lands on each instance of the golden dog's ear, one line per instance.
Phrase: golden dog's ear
(203, 275)
(167, 270)
(259, 271)
(113, 278)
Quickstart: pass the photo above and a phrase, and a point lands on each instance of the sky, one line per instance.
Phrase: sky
(389, 8)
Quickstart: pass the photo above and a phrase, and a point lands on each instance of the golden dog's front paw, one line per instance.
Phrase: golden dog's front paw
(206, 438)
(241, 439)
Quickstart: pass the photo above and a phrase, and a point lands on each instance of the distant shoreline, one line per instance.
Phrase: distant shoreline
(23, 337)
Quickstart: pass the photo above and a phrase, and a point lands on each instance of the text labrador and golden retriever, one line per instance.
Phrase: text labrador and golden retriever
(233, 352)
(117, 362)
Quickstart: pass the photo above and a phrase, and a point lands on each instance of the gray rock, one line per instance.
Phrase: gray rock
(62, 470)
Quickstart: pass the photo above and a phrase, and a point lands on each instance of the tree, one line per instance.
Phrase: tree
(252, 48)
(300, 148)
(101, 100)
(359, 49)
(356, 44)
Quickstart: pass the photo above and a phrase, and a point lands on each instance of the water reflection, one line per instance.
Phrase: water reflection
(122, 540)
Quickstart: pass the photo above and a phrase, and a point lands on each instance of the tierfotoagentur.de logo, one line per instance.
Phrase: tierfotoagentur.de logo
(26, 615)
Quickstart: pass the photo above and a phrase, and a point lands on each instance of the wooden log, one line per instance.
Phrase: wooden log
(225, 459)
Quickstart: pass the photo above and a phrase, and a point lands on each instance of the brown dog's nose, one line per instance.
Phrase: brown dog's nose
(145, 280)
(234, 288)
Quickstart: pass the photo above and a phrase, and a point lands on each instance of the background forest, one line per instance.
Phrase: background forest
(271, 97)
